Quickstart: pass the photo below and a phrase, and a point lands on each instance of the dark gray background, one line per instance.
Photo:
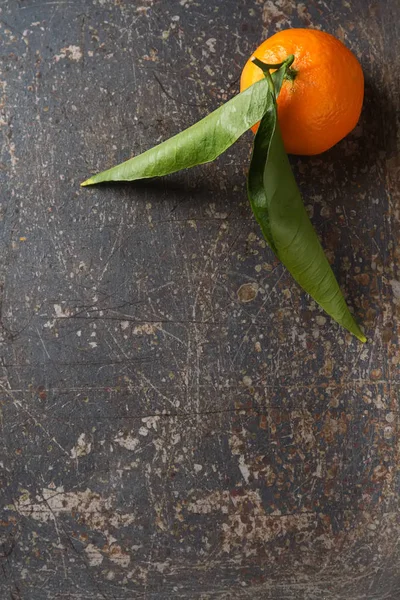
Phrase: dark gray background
(160, 437)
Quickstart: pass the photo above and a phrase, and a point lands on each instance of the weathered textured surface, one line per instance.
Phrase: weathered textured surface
(162, 438)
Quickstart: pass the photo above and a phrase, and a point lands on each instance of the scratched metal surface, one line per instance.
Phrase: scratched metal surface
(178, 419)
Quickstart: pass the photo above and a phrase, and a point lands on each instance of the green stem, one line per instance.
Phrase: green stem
(290, 74)
(271, 86)
(267, 66)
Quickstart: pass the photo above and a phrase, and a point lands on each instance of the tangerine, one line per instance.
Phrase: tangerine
(320, 101)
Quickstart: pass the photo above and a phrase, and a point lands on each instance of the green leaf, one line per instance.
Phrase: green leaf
(199, 144)
(278, 208)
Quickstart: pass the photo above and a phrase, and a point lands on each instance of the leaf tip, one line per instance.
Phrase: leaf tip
(89, 181)
(360, 336)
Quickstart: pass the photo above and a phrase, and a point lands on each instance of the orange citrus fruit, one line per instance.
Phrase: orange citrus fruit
(320, 101)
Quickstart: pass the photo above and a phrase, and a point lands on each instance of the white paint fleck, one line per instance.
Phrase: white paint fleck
(147, 328)
(388, 432)
(390, 417)
(198, 468)
(318, 470)
(396, 289)
(82, 447)
(126, 441)
(271, 10)
(244, 469)
(151, 422)
(143, 10)
(210, 43)
(71, 52)
(118, 556)
(95, 557)
(235, 444)
(61, 313)
(247, 381)
(161, 566)
(143, 431)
